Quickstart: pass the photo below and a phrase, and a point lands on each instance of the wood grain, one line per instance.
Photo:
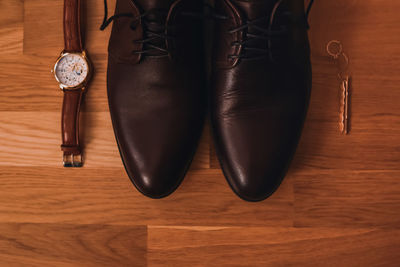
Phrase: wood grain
(106, 196)
(338, 205)
(11, 30)
(72, 245)
(33, 139)
(272, 247)
(348, 199)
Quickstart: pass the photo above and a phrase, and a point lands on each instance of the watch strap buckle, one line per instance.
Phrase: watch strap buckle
(72, 160)
(72, 156)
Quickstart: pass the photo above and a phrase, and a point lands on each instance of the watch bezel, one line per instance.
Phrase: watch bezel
(83, 84)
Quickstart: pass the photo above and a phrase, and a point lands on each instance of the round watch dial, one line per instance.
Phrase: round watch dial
(71, 70)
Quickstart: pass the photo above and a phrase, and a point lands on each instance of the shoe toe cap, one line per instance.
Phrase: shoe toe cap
(157, 182)
(255, 158)
(255, 187)
(156, 166)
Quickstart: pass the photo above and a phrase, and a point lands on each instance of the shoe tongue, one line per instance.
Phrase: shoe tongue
(253, 9)
(157, 4)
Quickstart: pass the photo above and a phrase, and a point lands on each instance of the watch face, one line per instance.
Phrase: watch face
(71, 70)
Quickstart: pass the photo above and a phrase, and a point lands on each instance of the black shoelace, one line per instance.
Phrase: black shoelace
(261, 33)
(153, 22)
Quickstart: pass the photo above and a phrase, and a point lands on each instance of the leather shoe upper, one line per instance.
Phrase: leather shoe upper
(156, 90)
(260, 92)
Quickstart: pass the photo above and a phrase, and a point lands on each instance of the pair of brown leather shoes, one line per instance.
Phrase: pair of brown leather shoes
(260, 89)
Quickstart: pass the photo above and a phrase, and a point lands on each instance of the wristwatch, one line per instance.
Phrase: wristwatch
(72, 71)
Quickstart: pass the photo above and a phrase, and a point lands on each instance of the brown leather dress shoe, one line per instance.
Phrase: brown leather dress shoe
(156, 89)
(261, 85)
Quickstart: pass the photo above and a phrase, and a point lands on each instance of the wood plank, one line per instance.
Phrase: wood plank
(366, 148)
(214, 163)
(106, 196)
(11, 27)
(33, 139)
(28, 84)
(72, 245)
(274, 246)
(51, 28)
(43, 37)
(347, 199)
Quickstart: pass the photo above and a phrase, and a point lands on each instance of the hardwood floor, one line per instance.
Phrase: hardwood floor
(338, 206)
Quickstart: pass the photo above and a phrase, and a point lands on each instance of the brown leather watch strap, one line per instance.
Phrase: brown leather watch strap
(70, 128)
(72, 26)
